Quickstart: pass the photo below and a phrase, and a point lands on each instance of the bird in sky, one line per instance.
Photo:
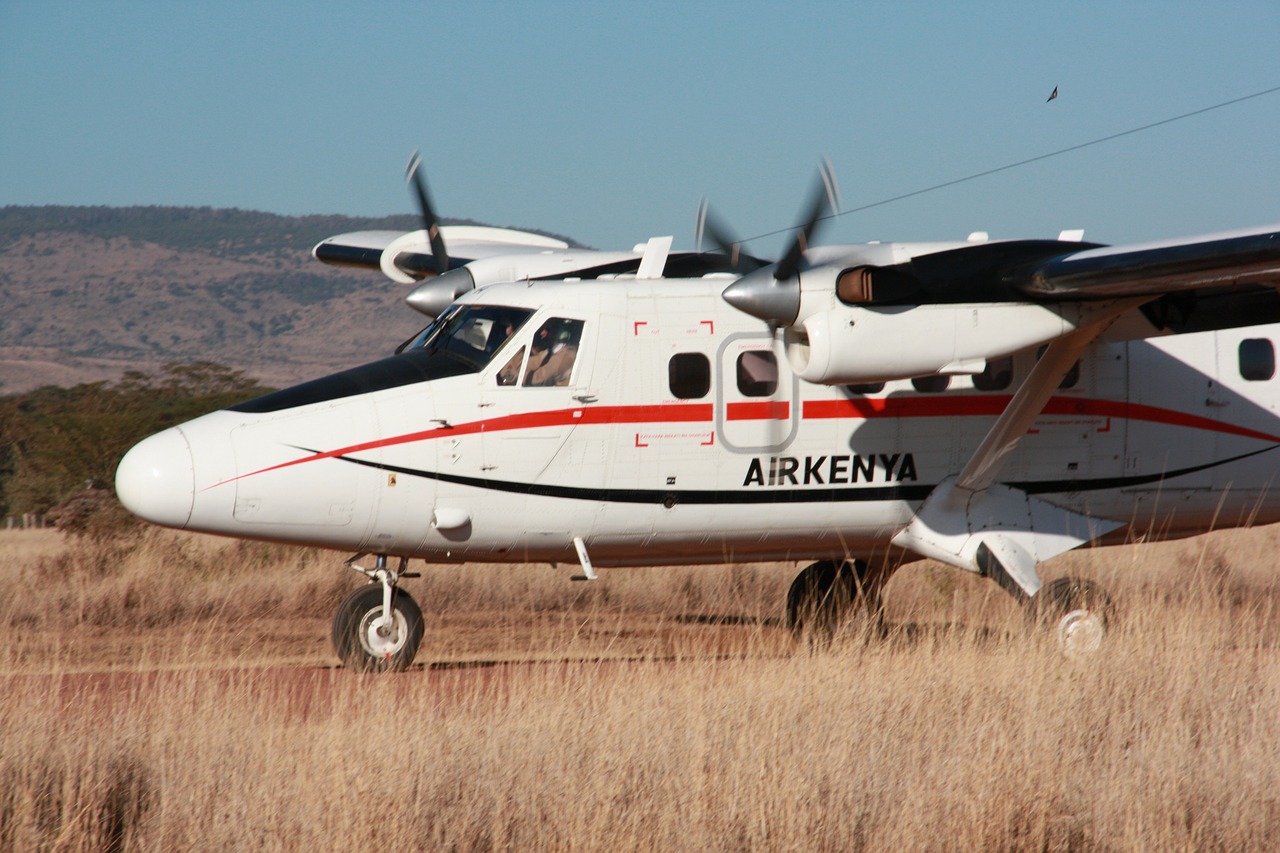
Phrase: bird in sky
(1053, 94)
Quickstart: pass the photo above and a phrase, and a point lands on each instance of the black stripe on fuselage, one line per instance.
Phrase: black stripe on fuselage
(1041, 487)
(767, 495)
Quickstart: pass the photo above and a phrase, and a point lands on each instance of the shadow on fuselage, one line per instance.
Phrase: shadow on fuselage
(1173, 435)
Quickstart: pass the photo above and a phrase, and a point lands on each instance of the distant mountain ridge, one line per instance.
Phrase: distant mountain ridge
(229, 230)
(89, 292)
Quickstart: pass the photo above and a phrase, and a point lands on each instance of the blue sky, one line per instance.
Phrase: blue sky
(608, 122)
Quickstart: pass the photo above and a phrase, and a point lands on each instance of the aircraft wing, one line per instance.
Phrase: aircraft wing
(1194, 284)
(408, 254)
(1214, 281)
(406, 257)
(1228, 259)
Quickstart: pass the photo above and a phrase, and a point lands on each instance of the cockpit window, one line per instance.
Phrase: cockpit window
(510, 371)
(462, 340)
(470, 334)
(553, 353)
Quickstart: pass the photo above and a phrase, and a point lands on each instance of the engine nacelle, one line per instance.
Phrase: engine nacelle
(436, 294)
(844, 345)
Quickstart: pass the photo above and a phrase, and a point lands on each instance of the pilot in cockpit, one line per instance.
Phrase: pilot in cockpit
(557, 367)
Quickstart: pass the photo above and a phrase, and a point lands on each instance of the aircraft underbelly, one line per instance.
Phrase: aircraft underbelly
(741, 532)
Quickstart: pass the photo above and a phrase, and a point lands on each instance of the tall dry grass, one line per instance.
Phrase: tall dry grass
(167, 598)
(960, 731)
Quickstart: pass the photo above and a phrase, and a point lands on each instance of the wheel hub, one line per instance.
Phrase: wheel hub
(380, 637)
(1080, 633)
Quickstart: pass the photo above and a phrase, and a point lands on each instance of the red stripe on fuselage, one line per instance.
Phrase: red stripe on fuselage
(865, 408)
(666, 413)
(764, 410)
(869, 408)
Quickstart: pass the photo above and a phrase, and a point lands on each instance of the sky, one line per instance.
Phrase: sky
(607, 122)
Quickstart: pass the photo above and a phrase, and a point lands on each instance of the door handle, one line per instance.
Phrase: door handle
(585, 398)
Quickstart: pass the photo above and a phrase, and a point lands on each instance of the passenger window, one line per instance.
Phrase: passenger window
(931, 384)
(996, 376)
(553, 353)
(689, 375)
(510, 371)
(1257, 359)
(757, 373)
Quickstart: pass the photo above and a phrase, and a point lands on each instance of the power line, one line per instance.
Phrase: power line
(1030, 160)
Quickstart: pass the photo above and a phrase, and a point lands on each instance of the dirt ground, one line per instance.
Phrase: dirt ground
(563, 622)
(533, 615)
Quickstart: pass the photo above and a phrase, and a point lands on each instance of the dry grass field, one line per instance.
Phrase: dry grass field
(178, 693)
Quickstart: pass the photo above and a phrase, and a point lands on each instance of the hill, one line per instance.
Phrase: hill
(87, 293)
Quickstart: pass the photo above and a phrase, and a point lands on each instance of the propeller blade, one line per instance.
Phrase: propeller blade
(773, 295)
(825, 197)
(430, 223)
(700, 224)
(710, 227)
(714, 231)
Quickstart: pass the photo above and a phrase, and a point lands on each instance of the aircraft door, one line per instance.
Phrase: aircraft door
(534, 397)
(756, 393)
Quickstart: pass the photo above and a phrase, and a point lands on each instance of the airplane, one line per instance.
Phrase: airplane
(989, 404)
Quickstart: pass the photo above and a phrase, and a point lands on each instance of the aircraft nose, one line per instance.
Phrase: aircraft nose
(156, 479)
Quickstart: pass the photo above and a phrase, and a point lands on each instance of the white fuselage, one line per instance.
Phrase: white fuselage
(682, 435)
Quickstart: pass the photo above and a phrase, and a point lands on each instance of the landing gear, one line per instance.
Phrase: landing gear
(1079, 611)
(378, 627)
(835, 597)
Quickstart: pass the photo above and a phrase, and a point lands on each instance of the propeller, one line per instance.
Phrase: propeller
(430, 222)
(824, 196)
(709, 226)
(773, 293)
(443, 285)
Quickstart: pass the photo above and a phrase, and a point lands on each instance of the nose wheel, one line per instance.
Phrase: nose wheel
(378, 627)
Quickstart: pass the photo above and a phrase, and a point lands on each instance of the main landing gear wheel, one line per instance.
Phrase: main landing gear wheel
(1079, 611)
(835, 597)
(367, 643)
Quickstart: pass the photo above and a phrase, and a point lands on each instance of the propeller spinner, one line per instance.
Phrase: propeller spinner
(772, 293)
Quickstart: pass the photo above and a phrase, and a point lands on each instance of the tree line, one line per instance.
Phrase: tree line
(58, 443)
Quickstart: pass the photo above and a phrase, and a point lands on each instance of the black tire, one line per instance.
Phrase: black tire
(361, 650)
(1079, 610)
(832, 597)
(1062, 595)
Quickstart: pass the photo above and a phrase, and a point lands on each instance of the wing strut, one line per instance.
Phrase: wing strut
(971, 522)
